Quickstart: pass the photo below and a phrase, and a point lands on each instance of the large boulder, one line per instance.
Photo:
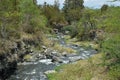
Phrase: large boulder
(57, 59)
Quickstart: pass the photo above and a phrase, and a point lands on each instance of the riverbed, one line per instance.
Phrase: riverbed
(36, 70)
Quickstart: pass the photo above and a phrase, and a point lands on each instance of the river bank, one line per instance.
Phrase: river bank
(89, 69)
(40, 63)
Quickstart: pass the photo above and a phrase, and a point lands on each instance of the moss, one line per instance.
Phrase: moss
(27, 57)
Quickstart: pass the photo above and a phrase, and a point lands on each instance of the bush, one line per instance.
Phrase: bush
(72, 30)
(115, 72)
(112, 46)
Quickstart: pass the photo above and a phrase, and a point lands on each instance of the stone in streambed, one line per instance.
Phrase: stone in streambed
(55, 53)
(57, 59)
(46, 61)
(49, 72)
(75, 58)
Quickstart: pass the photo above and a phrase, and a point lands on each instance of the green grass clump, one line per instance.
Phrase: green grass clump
(114, 72)
(82, 70)
(63, 49)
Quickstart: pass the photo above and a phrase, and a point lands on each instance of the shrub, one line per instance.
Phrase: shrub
(114, 72)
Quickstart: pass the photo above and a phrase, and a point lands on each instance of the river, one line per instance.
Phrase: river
(36, 70)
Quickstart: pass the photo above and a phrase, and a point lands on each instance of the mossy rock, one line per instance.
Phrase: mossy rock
(27, 57)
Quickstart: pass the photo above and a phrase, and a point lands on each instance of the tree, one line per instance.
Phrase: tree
(56, 4)
(9, 18)
(104, 8)
(72, 9)
(53, 14)
(31, 18)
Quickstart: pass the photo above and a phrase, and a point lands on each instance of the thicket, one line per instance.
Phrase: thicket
(54, 15)
(111, 46)
(106, 19)
(73, 10)
(21, 19)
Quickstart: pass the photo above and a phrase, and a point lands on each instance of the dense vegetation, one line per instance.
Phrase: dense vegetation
(21, 17)
(106, 67)
(101, 26)
(20, 21)
(24, 20)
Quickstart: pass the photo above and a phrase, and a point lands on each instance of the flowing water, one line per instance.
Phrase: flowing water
(36, 70)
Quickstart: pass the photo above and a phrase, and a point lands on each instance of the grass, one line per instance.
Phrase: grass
(114, 72)
(75, 41)
(82, 70)
(63, 49)
(46, 42)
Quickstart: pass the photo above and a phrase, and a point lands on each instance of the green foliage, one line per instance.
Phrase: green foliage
(104, 8)
(114, 72)
(72, 30)
(20, 14)
(109, 20)
(74, 14)
(56, 4)
(94, 20)
(53, 14)
(86, 24)
(31, 15)
(72, 10)
(21, 19)
(9, 18)
(111, 23)
(112, 46)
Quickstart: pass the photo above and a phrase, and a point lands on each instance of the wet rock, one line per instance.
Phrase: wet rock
(57, 59)
(47, 51)
(49, 72)
(48, 56)
(55, 53)
(71, 55)
(64, 54)
(40, 56)
(75, 58)
(46, 61)
(44, 47)
(65, 61)
(74, 46)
